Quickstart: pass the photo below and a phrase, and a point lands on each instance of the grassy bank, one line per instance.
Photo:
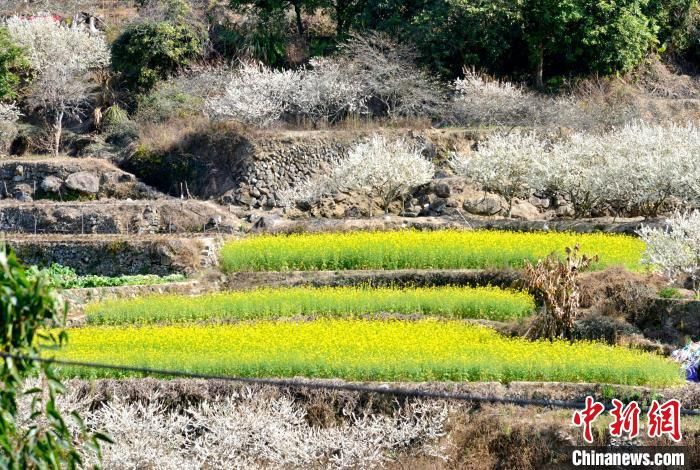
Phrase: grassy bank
(451, 302)
(362, 350)
(448, 249)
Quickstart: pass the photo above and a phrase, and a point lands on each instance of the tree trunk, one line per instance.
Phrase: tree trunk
(297, 12)
(539, 67)
(58, 130)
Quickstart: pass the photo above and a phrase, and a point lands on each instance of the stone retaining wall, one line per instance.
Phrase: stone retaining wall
(67, 179)
(117, 217)
(269, 164)
(114, 256)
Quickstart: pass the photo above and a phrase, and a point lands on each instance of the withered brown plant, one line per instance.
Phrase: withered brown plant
(554, 281)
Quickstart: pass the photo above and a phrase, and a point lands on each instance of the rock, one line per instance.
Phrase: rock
(51, 184)
(525, 211)
(484, 204)
(429, 150)
(270, 224)
(565, 210)
(245, 199)
(438, 205)
(540, 202)
(22, 192)
(442, 190)
(84, 182)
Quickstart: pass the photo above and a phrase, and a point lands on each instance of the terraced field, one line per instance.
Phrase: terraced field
(362, 350)
(446, 249)
(344, 332)
(488, 303)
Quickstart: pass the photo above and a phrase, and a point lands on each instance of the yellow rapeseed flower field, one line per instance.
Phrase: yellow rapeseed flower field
(445, 249)
(425, 350)
(451, 302)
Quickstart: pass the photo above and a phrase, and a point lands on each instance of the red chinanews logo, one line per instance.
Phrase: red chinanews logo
(662, 419)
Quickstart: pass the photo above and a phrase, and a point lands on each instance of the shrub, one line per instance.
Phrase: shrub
(147, 52)
(12, 60)
(114, 116)
(181, 97)
(670, 293)
(675, 248)
(555, 281)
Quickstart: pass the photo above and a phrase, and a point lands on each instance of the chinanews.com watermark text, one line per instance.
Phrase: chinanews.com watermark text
(662, 420)
(628, 457)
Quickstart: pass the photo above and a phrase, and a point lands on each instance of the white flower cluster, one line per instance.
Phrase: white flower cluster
(385, 169)
(388, 170)
(9, 113)
(490, 102)
(259, 95)
(638, 168)
(675, 248)
(507, 164)
(371, 68)
(251, 429)
(48, 44)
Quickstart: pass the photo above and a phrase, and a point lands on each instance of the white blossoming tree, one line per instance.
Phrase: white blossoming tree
(255, 94)
(639, 168)
(479, 100)
(60, 56)
(575, 169)
(647, 165)
(385, 169)
(675, 249)
(260, 96)
(326, 92)
(379, 168)
(510, 164)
